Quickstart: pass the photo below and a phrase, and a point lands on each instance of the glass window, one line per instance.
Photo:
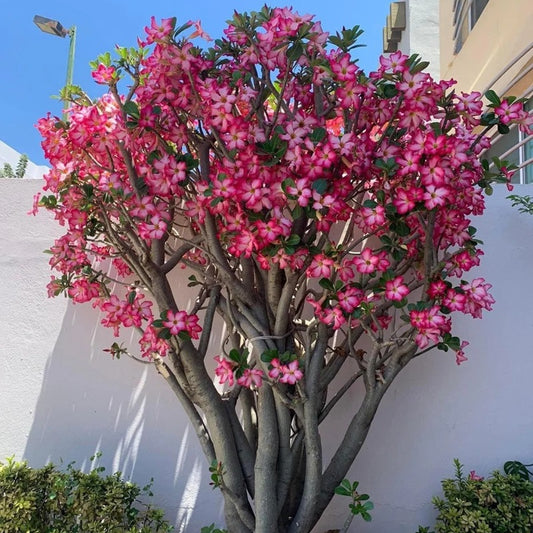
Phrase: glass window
(528, 154)
(502, 148)
(528, 151)
(476, 8)
(465, 15)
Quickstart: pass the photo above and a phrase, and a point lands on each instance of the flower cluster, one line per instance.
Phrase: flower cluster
(271, 143)
(237, 370)
(226, 370)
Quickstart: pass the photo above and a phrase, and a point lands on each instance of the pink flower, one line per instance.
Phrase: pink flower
(35, 205)
(103, 74)
(153, 230)
(199, 32)
(333, 317)
(460, 356)
(320, 267)
(83, 291)
(291, 373)
(150, 343)
(395, 62)
(251, 377)
(350, 298)
(224, 371)
(366, 262)
(158, 32)
(508, 112)
(277, 369)
(454, 301)
(474, 477)
(435, 196)
(405, 199)
(176, 321)
(396, 289)
(192, 327)
(373, 216)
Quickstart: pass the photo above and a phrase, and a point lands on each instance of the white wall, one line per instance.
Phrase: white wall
(421, 35)
(63, 398)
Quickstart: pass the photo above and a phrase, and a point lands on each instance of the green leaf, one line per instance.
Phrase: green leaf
(235, 355)
(193, 281)
(164, 334)
(488, 119)
(401, 228)
(389, 90)
(184, 336)
(493, 98)
(503, 129)
(320, 185)
(455, 343)
(268, 355)
(293, 240)
(325, 283)
(516, 468)
(336, 41)
(368, 505)
(317, 135)
(419, 67)
(286, 183)
(153, 156)
(341, 491)
(132, 109)
(297, 212)
(295, 51)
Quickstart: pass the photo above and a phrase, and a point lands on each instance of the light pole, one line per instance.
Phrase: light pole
(54, 27)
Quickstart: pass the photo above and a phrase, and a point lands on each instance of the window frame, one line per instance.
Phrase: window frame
(466, 13)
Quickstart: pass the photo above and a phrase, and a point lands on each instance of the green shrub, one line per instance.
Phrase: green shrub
(48, 500)
(498, 504)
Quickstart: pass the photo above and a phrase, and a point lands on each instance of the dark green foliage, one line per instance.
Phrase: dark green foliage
(48, 500)
(498, 504)
(213, 529)
(523, 203)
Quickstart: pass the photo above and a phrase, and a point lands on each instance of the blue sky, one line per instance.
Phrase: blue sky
(34, 63)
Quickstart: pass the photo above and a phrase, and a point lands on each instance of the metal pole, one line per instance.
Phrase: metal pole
(70, 63)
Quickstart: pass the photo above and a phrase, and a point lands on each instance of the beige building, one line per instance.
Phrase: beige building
(483, 44)
(488, 44)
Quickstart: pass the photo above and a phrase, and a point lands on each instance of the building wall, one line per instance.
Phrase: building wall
(421, 34)
(501, 35)
(63, 398)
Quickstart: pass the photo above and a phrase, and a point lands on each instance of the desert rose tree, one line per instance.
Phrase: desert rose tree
(322, 216)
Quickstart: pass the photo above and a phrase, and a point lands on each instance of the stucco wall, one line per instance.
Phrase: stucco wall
(501, 34)
(62, 398)
(421, 34)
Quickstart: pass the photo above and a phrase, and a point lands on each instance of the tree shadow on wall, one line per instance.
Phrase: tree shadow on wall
(91, 403)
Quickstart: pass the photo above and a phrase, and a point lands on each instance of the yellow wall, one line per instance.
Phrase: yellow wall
(503, 31)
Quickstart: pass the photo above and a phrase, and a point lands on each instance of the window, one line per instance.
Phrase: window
(465, 15)
(476, 8)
